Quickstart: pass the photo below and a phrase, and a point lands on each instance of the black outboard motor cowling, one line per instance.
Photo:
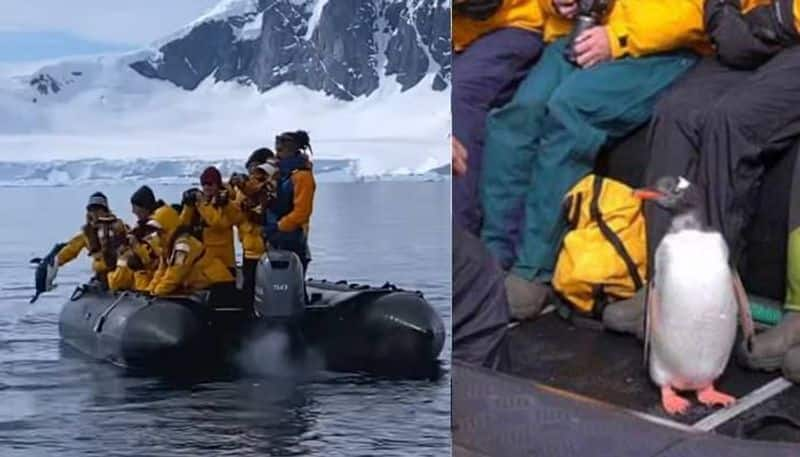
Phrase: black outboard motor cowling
(280, 287)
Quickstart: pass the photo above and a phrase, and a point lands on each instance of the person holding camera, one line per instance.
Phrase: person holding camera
(255, 191)
(716, 128)
(584, 91)
(189, 267)
(288, 217)
(495, 43)
(101, 236)
(212, 213)
(141, 256)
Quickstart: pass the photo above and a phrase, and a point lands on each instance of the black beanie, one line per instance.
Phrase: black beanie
(97, 199)
(145, 198)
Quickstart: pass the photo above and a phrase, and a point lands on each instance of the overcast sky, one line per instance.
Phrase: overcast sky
(37, 29)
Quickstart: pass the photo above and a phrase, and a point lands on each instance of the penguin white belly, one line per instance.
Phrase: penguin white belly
(693, 325)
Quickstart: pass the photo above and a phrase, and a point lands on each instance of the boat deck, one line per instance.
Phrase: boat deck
(609, 367)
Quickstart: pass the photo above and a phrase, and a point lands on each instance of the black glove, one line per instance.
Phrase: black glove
(479, 10)
(733, 37)
(774, 24)
(189, 197)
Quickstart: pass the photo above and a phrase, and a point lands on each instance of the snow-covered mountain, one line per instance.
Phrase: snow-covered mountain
(368, 79)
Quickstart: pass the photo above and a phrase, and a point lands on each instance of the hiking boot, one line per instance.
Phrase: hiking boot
(526, 299)
(627, 316)
(791, 364)
(766, 350)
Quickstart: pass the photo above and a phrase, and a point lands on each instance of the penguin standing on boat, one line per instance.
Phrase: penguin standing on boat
(691, 302)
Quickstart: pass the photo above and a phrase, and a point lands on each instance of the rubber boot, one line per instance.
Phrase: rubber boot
(526, 299)
(627, 316)
(767, 350)
(791, 364)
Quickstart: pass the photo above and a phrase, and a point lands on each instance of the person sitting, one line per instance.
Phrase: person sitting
(138, 258)
(495, 43)
(101, 236)
(715, 127)
(141, 259)
(190, 267)
(287, 219)
(546, 138)
(214, 210)
(254, 193)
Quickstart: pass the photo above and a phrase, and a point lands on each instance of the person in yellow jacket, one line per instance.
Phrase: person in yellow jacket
(215, 211)
(254, 193)
(495, 43)
(288, 218)
(101, 236)
(189, 267)
(546, 138)
(140, 259)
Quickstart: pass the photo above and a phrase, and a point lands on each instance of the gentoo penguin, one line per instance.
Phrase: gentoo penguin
(692, 301)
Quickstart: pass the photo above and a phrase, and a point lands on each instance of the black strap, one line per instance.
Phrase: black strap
(611, 236)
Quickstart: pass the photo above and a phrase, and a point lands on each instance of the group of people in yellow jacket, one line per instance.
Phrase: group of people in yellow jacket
(540, 87)
(178, 249)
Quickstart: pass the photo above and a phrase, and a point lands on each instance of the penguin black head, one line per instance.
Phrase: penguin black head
(675, 194)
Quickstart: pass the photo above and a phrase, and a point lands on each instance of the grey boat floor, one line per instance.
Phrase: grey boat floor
(608, 367)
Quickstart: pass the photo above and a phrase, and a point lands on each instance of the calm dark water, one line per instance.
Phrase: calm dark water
(54, 402)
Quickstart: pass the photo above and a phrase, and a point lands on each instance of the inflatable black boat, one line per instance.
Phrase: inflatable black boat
(580, 391)
(379, 330)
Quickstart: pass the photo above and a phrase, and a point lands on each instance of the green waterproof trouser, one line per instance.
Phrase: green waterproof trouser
(546, 139)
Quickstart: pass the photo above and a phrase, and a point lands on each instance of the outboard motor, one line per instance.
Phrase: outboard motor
(279, 301)
(280, 287)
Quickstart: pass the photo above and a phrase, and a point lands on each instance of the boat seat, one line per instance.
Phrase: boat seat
(763, 267)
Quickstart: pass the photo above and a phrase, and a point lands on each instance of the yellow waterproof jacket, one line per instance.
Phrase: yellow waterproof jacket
(124, 277)
(189, 268)
(640, 27)
(302, 204)
(147, 251)
(218, 228)
(80, 241)
(796, 13)
(522, 14)
(250, 227)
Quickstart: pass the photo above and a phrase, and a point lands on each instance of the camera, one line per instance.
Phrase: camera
(590, 13)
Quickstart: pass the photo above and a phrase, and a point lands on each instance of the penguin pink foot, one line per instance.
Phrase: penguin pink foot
(672, 402)
(712, 397)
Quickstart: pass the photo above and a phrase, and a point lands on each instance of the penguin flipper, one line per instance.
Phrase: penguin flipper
(650, 303)
(743, 303)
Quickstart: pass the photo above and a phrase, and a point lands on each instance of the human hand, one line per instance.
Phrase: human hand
(459, 158)
(592, 47)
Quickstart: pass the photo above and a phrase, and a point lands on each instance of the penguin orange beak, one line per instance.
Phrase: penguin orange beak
(647, 194)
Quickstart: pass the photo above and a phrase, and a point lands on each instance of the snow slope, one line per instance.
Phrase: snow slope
(97, 107)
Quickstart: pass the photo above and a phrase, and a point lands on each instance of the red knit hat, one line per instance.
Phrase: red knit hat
(211, 176)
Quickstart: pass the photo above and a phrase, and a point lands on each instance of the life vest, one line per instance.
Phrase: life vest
(604, 255)
(284, 204)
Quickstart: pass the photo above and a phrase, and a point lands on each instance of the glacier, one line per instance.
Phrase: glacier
(95, 118)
